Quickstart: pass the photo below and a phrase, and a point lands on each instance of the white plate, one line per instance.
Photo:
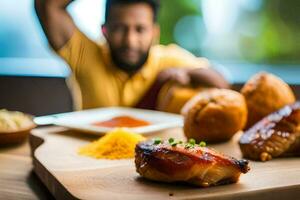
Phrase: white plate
(82, 120)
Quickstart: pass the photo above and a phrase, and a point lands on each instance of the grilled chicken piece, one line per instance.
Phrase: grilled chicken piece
(277, 135)
(197, 165)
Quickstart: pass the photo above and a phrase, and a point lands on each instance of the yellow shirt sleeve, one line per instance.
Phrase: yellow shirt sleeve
(97, 85)
(77, 50)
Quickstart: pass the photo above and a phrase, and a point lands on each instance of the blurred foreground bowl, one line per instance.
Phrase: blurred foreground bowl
(14, 127)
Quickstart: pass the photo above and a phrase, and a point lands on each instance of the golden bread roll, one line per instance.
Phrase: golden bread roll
(265, 94)
(172, 98)
(214, 115)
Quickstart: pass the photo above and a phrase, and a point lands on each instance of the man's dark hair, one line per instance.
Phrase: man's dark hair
(110, 3)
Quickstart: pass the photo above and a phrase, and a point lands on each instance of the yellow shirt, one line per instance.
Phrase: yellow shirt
(103, 84)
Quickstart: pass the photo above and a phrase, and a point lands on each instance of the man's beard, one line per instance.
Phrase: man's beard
(126, 66)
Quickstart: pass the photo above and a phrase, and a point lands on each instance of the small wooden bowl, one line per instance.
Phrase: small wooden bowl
(14, 137)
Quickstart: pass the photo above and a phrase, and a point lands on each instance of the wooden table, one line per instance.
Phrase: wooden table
(17, 180)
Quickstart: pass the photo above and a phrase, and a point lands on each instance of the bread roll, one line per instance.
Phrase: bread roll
(214, 115)
(265, 94)
(173, 98)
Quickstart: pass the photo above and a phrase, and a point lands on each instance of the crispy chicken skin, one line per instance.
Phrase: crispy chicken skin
(199, 166)
(276, 135)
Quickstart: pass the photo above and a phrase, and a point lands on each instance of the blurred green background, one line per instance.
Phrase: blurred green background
(259, 31)
(256, 31)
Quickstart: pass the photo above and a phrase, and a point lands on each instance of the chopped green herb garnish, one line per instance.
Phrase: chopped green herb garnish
(188, 145)
(180, 142)
(157, 140)
(173, 144)
(192, 141)
(202, 144)
(171, 140)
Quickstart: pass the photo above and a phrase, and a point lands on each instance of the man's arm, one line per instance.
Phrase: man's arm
(206, 77)
(55, 20)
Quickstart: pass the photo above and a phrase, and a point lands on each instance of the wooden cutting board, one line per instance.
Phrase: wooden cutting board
(70, 176)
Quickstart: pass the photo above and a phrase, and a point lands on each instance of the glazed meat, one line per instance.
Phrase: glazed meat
(197, 165)
(276, 135)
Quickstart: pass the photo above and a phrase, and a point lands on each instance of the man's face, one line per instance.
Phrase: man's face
(130, 31)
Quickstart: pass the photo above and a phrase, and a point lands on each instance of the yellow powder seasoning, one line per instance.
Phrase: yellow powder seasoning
(117, 144)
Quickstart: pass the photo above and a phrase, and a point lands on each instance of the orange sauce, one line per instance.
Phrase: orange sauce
(122, 121)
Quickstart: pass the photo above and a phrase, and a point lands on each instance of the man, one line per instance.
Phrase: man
(121, 72)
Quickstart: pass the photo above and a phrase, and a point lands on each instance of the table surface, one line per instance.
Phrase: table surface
(17, 179)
